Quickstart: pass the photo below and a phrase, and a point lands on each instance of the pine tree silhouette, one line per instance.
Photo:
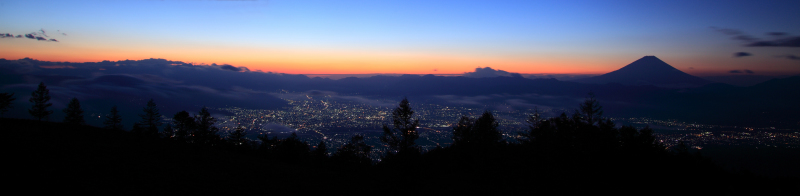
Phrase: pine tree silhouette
(237, 137)
(478, 132)
(205, 133)
(40, 98)
(462, 131)
(5, 102)
(151, 120)
(403, 134)
(354, 153)
(74, 113)
(184, 125)
(113, 120)
(591, 110)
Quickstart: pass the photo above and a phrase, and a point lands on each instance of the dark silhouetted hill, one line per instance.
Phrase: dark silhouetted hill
(648, 70)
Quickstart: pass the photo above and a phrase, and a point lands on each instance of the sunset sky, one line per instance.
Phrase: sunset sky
(413, 37)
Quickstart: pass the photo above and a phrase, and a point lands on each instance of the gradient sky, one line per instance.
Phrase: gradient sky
(414, 37)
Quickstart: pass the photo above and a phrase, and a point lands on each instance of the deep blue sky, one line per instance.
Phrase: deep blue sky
(440, 37)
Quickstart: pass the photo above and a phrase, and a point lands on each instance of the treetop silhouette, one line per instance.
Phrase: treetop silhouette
(113, 120)
(40, 98)
(74, 113)
(5, 102)
(151, 120)
(403, 133)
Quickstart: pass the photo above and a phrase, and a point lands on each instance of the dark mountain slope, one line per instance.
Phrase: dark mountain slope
(648, 70)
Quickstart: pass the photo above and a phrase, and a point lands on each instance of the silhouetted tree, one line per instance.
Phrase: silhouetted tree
(5, 102)
(463, 130)
(355, 152)
(482, 131)
(403, 133)
(267, 144)
(151, 120)
(184, 125)
(533, 121)
(486, 131)
(291, 149)
(205, 133)
(39, 98)
(237, 137)
(113, 120)
(640, 140)
(591, 110)
(74, 113)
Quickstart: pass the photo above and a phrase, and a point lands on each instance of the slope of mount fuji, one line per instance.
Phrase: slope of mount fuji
(648, 70)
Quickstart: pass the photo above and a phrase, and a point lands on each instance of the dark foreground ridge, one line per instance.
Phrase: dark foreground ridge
(61, 158)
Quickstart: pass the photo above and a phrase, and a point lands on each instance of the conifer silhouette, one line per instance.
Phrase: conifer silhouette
(403, 133)
(355, 152)
(74, 113)
(205, 133)
(5, 102)
(151, 120)
(113, 120)
(237, 137)
(184, 125)
(40, 98)
(591, 110)
(478, 132)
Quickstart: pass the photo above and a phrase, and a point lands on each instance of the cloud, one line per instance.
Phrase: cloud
(6, 35)
(488, 72)
(30, 36)
(780, 41)
(741, 71)
(790, 57)
(741, 54)
(232, 68)
(776, 34)
(785, 42)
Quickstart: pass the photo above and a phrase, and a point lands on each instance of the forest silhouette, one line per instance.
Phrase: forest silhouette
(577, 153)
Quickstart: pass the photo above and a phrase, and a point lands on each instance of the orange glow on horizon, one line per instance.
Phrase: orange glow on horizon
(321, 62)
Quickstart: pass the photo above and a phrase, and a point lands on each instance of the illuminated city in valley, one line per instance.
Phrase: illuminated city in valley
(400, 97)
(318, 118)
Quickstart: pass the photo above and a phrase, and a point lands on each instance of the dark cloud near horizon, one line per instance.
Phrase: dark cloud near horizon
(785, 42)
(233, 68)
(790, 57)
(777, 33)
(750, 41)
(741, 71)
(741, 54)
(488, 72)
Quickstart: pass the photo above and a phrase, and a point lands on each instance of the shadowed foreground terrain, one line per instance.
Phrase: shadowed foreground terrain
(49, 157)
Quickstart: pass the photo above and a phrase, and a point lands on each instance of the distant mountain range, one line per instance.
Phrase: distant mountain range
(636, 90)
(648, 70)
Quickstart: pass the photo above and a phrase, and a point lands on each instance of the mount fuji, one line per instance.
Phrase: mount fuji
(649, 70)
